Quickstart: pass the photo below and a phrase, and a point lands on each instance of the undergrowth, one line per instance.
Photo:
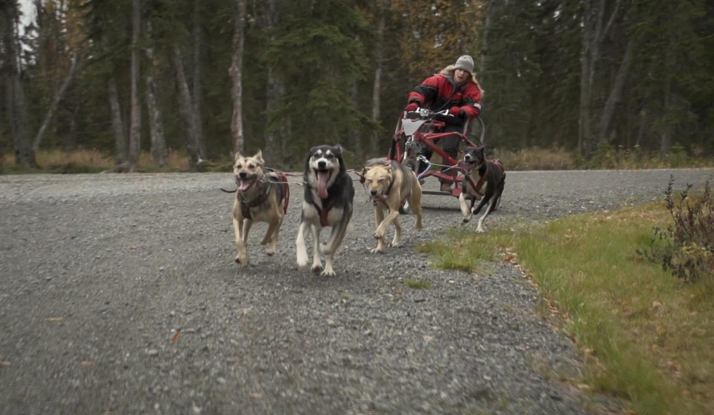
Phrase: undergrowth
(687, 244)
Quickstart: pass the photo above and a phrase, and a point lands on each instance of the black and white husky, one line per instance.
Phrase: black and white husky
(328, 202)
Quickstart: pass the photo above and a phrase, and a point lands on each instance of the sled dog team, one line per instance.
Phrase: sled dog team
(262, 195)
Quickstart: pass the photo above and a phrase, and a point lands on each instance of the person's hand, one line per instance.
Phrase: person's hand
(412, 106)
(456, 111)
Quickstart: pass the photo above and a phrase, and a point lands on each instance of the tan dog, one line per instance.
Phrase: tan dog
(390, 184)
(260, 198)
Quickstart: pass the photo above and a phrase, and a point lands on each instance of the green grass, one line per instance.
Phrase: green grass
(459, 252)
(418, 284)
(645, 335)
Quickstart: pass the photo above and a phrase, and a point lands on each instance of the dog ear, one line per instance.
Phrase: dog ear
(238, 156)
(259, 156)
(338, 150)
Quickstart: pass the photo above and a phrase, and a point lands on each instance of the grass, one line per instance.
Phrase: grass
(605, 157)
(645, 335)
(534, 158)
(418, 284)
(90, 161)
(459, 253)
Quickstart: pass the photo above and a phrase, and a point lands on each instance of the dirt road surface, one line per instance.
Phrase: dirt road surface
(119, 295)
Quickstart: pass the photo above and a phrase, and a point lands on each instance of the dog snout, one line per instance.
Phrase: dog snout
(373, 192)
(467, 157)
(243, 175)
(321, 164)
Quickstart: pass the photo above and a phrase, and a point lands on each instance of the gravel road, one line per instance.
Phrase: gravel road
(118, 294)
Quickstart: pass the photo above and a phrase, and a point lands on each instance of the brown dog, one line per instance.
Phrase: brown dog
(261, 197)
(389, 185)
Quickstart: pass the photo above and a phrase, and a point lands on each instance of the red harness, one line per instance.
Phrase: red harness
(323, 213)
(477, 186)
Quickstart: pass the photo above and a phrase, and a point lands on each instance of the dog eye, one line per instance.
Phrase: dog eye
(251, 166)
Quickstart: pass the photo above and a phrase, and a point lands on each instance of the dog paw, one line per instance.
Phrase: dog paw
(270, 252)
(480, 230)
(328, 273)
(377, 250)
(466, 220)
(316, 269)
(242, 261)
(394, 245)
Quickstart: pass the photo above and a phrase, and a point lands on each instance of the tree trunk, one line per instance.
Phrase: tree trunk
(377, 84)
(158, 142)
(665, 145)
(156, 126)
(236, 76)
(135, 131)
(594, 32)
(584, 132)
(72, 135)
(24, 156)
(354, 134)
(197, 87)
(195, 147)
(55, 103)
(273, 135)
(615, 94)
(117, 124)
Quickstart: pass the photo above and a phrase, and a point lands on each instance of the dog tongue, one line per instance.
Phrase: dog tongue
(322, 177)
(244, 185)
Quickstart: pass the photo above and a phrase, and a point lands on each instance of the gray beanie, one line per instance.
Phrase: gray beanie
(466, 63)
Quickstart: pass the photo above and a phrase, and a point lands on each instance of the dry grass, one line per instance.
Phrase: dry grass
(556, 158)
(88, 161)
(537, 159)
(606, 157)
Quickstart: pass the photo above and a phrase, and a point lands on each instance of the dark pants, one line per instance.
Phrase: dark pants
(450, 145)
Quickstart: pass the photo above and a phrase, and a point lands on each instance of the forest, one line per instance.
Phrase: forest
(206, 78)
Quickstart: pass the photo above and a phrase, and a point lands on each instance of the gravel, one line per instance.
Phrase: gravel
(118, 294)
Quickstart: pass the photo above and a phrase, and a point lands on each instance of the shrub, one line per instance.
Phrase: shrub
(688, 243)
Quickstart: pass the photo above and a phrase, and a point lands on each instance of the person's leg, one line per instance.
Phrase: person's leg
(450, 145)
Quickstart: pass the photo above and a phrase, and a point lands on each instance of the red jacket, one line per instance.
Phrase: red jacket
(439, 93)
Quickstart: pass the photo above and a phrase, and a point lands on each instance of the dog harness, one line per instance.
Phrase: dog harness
(323, 213)
(477, 186)
(283, 193)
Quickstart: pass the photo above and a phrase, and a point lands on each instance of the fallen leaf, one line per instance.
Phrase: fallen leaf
(673, 366)
(509, 258)
(428, 338)
(175, 336)
(55, 319)
(245, 312)
(88, 363)
(5, 364)
(256, 395)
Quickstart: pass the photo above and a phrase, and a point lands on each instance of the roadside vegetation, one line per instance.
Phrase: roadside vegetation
(534, 158)
(644, 327)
